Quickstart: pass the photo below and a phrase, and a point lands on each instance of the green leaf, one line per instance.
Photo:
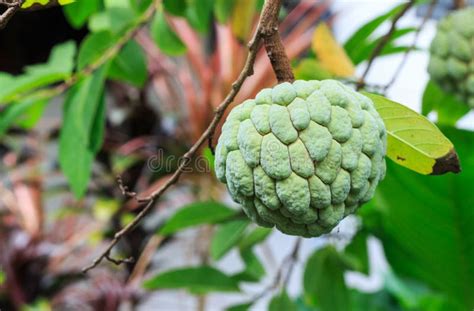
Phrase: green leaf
(311, 69)
(129, 65)
(196, 214)
(413, 141)
(165, 38)
(357, 249)
(79, 12)
(175, 7)
(93, 48)
(18, 113)
(227, 236)
(240, 307)
(427, 224)
(448, 108)
(199, 14)
(118, 14)
(362, 35)
(2, 277)
(58, 68)
(323, 282)
(201, 279)
(223, 10)
(282, 302)
(364, 50)
(253, 270)
(256, 236)
(82, 130)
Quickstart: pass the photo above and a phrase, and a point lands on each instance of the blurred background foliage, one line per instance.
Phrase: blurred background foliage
(100, 88)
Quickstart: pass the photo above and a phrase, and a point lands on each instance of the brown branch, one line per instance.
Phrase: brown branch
(459, 4)
(383, 42)
(265, 32)
(12, 8)
(428, 15)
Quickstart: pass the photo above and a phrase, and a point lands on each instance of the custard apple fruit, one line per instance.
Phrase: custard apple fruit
(302, 156)
(451, 63)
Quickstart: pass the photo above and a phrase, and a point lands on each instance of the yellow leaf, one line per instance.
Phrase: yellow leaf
(29, 3)
(242, 17)
(64, 2)
(413, 141)
(330, 53)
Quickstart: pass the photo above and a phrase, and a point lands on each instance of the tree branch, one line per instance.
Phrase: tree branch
(266, 32)
(383, 42)
(12, 8)
(428, 15)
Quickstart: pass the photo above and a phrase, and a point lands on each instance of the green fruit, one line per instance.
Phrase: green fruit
(451, 63)
(302, 156)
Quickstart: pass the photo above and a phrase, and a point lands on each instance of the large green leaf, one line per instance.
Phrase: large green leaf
(448, 108)
(82, 131)
(227, 236)
(196, 214)
(427, 224)
(58, 68)
(165, 37)
(413, 141)
(282, 302)
(323, 281)
(129, 65)
(201, 279)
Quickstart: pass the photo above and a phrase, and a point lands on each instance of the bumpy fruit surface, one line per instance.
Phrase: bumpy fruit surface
(452, 55)
(302, 156)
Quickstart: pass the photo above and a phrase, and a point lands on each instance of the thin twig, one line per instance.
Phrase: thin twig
(265, 29)
(383, 42)
(12, 8)
(284, 272)
(91, 68)
(428, 15)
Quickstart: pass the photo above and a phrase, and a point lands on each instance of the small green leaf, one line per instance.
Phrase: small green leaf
(311, 69)
(323, 282)
(358, 250)
(223, 10)
(129, 65)
(257, 235)
(413, 141)
(447, 106)
(114, 19)
(201, 279)
(82, 130)
(165, 37)
(93, 48)
(227, 236)
(196, 214)
(282, 302)
(2, 277)
(240, 307)
(199, 14)
(58, 68)
(175, 7)
(253, 270)
(25, 113)
(78, 12)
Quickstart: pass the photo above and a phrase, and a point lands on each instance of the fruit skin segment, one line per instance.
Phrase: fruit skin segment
(302, 156)
(451, 63)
